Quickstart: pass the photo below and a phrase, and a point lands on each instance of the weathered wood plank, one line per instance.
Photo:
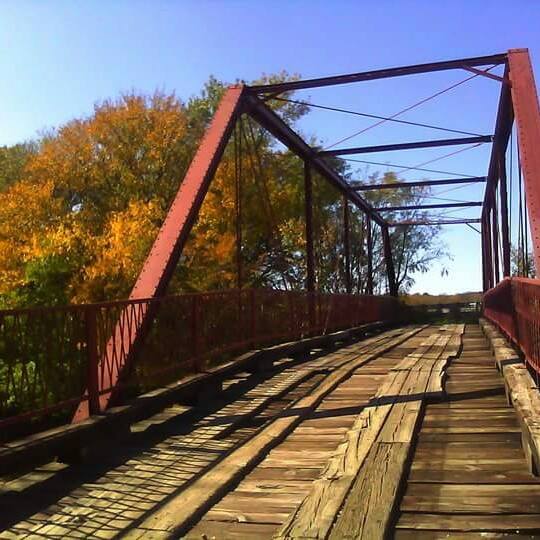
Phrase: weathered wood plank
(369, 506)
(175, 517)
(470, 522)
(388, 424)
(522, 393)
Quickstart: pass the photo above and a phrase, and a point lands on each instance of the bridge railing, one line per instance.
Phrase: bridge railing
(514, 306)
(52, 359)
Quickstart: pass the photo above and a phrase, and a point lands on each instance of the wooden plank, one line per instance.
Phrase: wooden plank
(369, 506)
(384, 432)
(470, 522)
(473, 498)
(468, 477)
(462, 475)
(404, 534)
(176, 459)
(522, 393)
(291, 453)
(329, 491)
(179, 513)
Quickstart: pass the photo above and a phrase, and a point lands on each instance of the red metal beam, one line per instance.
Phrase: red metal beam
(503, 128)
(407, 146)
(167, 248)
(268, 119)
(347, 245)
(398, 185)
(486, 229)
(486, 74)
(369, 256)
(527, 111)
(390, 272)
(495, 239)
(428, 206)
(379, 74)
(310, 257)
(485, 285)
(505, 234)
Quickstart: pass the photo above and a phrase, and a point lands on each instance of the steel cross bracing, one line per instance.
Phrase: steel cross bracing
(518, 98)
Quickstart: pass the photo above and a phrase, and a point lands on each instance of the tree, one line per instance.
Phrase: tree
(114, 171)
(522, 264)
(81, 207)
(13, 160)
(414, 248)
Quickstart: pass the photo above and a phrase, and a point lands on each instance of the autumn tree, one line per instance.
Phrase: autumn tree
(90, 202)
(13, 160)
(80, 208)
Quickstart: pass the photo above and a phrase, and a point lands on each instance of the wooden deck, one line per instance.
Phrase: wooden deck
(469, 477)
(356, 442)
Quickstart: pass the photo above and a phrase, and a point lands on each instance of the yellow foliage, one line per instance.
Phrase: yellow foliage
(120, 252)
(92, 198)
(26, 213)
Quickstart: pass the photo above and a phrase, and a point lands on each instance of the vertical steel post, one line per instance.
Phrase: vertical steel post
(489, 255)
(503, 194)
(390, 272)
(347, 245)
(495, 238)
(483, 240)
(527, 114)
(485, 256)
(92, 358)
(310, 259)
(369, 288)
(238, 206)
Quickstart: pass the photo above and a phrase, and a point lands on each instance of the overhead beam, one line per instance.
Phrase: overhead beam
(380, 74)
(269, 120)
(407, 146)
(429, 206)
(440, 222)
(398, 185)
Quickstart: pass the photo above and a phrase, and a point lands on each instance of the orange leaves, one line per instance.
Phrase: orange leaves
(119, 252)
(26, 213)
(94, 195)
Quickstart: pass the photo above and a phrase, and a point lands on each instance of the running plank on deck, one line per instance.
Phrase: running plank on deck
(354, 496)
(469, 477)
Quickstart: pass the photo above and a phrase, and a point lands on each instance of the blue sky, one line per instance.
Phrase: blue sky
(59, 58)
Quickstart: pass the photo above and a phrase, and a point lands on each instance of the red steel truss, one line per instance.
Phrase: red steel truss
(518, 98)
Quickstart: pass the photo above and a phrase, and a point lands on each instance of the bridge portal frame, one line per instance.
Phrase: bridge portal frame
(518, 94)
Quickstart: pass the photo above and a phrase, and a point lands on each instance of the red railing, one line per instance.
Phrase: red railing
(52, 359)
(514, 306)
